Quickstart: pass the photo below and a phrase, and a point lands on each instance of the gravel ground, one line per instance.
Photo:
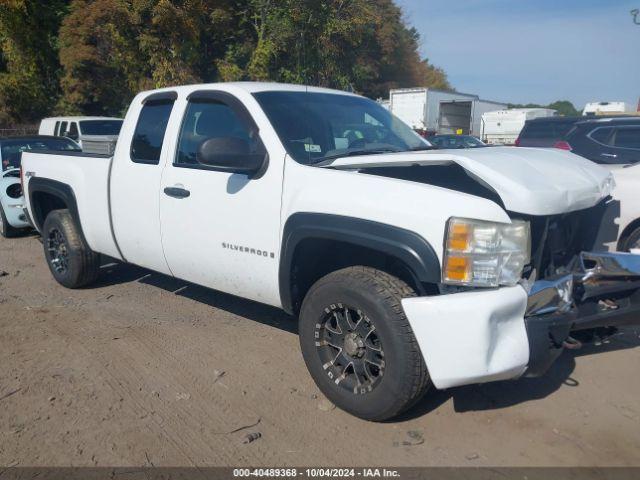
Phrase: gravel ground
(143, 369)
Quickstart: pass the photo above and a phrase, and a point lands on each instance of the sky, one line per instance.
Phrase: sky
(533, 51)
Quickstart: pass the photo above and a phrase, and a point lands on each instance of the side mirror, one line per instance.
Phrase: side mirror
(230, 154)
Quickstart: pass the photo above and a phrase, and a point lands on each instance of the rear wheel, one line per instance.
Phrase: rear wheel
(71, 261)
(6, 230)
(358, 345)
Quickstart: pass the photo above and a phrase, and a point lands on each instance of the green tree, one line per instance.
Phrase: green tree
(564, 107)
(92, 56)
(29, 69)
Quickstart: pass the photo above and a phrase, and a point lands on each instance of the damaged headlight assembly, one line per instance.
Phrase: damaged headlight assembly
(485, 254)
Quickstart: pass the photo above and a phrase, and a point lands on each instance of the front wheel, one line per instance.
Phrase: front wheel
(72, 263)
(358, 344)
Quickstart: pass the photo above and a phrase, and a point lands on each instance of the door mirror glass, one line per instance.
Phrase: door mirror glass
(230, 154)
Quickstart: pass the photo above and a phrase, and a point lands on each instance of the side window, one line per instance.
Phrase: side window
(73, 131)
(601, 135)
(146, 144)
(56, 129)
(206, 119)
(63, 129)
(627, 137)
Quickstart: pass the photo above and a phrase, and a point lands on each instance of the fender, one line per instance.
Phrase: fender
(57, 189)
(407, 246)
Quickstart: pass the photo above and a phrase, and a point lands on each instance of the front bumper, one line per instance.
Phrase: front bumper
(485, 335)
(14, 211)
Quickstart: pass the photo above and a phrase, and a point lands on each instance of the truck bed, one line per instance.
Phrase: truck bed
(87, 175)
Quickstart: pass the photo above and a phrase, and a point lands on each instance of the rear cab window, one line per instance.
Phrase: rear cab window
(148, 137)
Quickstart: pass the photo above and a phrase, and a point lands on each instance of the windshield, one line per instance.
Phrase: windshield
(11, 149)
(100, 127)
(316, 127)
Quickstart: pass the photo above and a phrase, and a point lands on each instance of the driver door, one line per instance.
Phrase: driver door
(220, 229)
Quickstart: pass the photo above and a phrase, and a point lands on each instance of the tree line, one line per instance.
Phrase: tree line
(91, 56)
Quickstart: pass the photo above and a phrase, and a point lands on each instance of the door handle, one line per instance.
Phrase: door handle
(177, 192)
(611, 155)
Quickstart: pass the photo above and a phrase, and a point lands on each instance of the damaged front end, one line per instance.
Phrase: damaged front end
(601, 290)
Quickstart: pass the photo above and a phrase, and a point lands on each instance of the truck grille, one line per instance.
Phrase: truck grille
(556, 240)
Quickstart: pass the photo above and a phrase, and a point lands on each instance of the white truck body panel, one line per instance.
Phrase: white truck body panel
(193, 238)
(89, 177)
(502, 127)
(528, 180)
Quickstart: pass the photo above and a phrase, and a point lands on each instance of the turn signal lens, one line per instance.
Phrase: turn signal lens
(459, 237)
(457, 269)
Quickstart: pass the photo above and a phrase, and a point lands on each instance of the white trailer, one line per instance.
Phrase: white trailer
(439, 111)
(502, 127)
(606, 108)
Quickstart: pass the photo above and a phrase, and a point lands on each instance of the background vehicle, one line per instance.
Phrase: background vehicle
(502, 127)
(455, 141)
(608, 140)
(438, 111)
(12, 216)
(606, 108)
(625, 207)
(545, 132)
(404, 266)
(93, 134)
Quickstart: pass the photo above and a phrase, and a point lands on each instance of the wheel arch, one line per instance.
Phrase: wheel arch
(46, 195)
(626, 233)
(330, 242)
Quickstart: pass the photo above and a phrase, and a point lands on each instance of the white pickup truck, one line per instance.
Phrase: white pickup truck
(406, 267)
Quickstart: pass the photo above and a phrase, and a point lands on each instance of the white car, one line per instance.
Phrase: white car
(625, 209)
(13, 218)
(407, 267)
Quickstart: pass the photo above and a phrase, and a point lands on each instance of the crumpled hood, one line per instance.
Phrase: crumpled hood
(533, 181)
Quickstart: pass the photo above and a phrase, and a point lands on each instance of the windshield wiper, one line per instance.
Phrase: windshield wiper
(423, 147)
(354, 153)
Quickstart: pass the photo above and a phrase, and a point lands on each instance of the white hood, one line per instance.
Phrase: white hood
(533, 181)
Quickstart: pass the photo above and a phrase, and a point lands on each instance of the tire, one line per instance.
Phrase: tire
(72, 263)
(379, 343)
(6, 230)
(631, 241)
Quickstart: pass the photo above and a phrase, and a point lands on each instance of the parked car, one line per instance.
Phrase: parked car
(625, 207)
(93, 134)
(455, 141)
(12, 216)
(406, 267)
(545, 131)
(612, 140)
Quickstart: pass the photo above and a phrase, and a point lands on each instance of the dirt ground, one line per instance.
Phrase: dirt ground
(143, 369)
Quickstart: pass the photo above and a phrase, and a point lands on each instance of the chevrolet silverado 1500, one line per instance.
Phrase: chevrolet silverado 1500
(406, 267)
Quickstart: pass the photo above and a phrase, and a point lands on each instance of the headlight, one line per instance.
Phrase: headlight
(485, 254)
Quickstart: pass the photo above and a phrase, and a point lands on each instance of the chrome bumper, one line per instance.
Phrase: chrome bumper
(603, 290)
